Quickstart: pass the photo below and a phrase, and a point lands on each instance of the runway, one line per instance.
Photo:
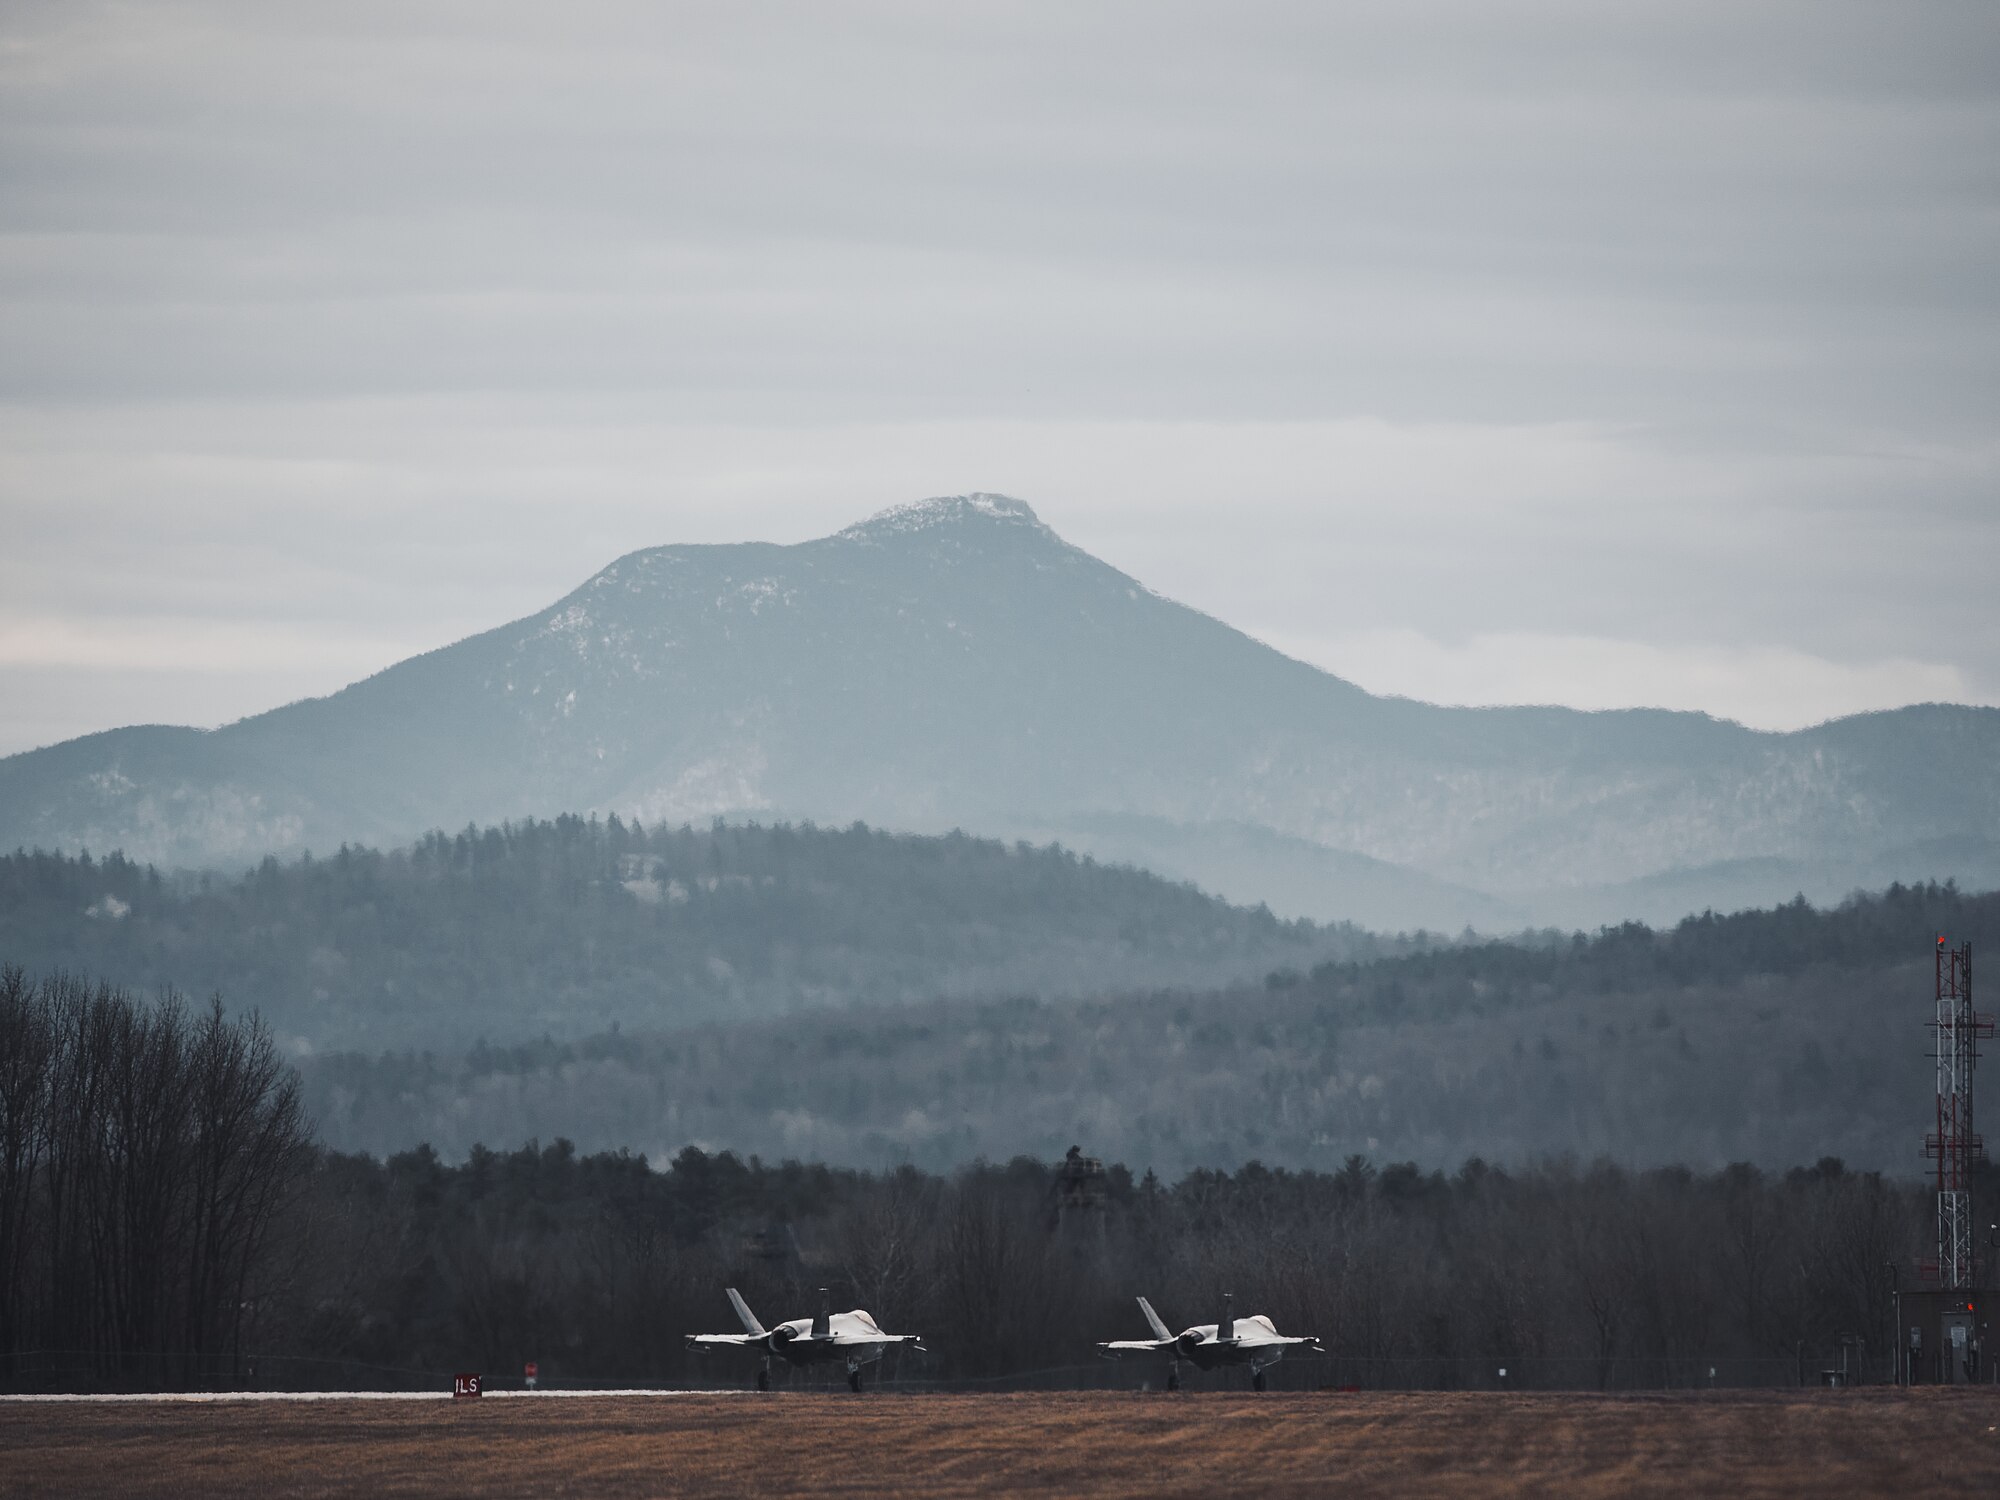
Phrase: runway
(1750, 1445)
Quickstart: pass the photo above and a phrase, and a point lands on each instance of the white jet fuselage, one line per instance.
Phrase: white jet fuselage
(851, 1337)
(1256, 1342)
(1253, 1340)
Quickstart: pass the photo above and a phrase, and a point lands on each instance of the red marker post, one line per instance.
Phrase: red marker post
(528, 1373)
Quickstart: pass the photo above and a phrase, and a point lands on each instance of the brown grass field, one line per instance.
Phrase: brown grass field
(1880, 1442)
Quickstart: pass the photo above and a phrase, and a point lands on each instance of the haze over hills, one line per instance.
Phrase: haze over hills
(559, 929)
(1771, 1037)
(954, 663)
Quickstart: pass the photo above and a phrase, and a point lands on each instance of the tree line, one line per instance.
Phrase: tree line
(1563, 1275)
(148, 1154)
(166, 1219)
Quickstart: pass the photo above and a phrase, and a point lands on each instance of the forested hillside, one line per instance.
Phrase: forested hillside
(1774, 1037)
(574, 927)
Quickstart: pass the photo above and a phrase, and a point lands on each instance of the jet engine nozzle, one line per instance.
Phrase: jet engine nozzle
(777, 1338)
(1188, 1342)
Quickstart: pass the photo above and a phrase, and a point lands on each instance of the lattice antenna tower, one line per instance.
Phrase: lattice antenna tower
(1956, 1146)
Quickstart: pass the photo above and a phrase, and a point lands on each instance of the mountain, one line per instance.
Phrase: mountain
(955, 663)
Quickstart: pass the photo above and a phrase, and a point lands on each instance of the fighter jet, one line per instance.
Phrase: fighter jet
(852, 1336)
(1253, 1341)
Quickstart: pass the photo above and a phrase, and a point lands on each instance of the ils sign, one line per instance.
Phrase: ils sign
(464, 1385)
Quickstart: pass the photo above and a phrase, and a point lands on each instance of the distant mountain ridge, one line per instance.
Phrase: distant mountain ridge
(955, 663)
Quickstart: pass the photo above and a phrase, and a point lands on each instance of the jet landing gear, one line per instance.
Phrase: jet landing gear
(764, 1376)
(1173, 1377)
(1256, 1380)
(854, 1378)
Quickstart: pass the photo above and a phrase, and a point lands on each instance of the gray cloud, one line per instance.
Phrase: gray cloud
(1683, 316)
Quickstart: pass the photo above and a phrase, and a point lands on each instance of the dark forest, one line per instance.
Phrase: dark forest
(165, 1220)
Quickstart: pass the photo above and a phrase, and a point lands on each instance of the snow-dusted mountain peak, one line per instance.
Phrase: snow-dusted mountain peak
(955, 663)
(943, 510)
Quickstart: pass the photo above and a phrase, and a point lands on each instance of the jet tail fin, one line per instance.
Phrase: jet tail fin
(1226, 1329)
(744, 1315)
(823, 1319)
(1153, 1320)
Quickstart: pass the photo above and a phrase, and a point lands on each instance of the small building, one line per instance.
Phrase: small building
(1942, 1336)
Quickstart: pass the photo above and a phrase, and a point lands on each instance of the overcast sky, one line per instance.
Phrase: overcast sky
(1575, 353)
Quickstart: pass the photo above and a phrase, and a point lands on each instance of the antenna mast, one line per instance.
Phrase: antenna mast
(1955, 1146)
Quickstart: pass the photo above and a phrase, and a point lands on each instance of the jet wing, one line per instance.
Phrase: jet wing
(723, 1340)
(1259, 1332)
(1112, 1348)
(857, 1330)
(1275, 1341)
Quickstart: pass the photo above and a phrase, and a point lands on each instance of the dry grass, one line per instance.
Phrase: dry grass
(1098, 1444)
